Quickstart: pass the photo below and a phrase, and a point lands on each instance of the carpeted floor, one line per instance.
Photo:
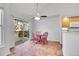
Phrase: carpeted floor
(29, 48)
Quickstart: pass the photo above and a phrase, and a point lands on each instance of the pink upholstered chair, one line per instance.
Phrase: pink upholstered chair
(40, 38)
(44, 37)
(35, 35)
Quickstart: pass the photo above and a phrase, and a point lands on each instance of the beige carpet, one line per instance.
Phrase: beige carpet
(29, 48)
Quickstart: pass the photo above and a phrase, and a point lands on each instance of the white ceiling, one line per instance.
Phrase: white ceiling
(49, 9)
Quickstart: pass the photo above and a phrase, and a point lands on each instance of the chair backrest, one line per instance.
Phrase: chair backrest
(45, 35)
(39, 37)
(36, 36)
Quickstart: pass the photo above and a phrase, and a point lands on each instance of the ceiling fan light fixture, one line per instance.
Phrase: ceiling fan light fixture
(37, 18)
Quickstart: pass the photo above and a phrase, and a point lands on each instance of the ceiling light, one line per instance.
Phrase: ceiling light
(37, 17)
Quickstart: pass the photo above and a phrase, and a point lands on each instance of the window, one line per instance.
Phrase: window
(1, 33)
(21, 28)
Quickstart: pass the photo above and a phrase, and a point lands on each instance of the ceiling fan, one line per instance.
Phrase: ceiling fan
(38, 17)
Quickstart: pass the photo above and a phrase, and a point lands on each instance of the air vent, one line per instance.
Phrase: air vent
(43, 16)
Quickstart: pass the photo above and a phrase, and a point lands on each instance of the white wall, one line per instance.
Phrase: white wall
(8, 29)
(71, 43)
(50, 25)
